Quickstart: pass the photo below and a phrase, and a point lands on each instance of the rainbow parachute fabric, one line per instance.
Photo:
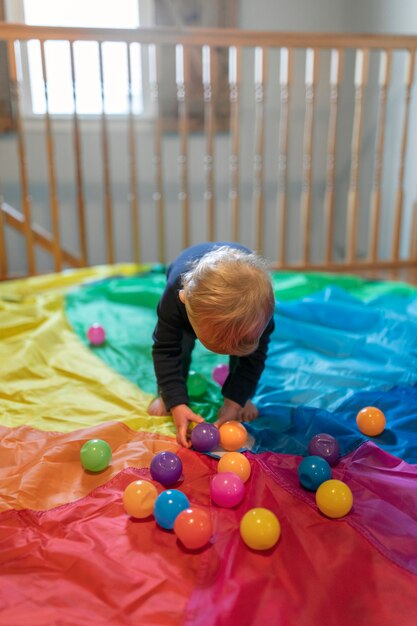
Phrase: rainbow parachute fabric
(70, 555)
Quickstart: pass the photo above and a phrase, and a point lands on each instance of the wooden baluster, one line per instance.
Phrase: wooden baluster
(336, 73)
(399, 201)
(53, 197)
(26, 203)
(234, 159)
(133, 195)
(78, 165)
(209, 133)
(385, 63)
(258, 162)
(306, 196)
(413, 238)
(361, 73)
(158, 196)
(286, 69)
(108, 203)
(182, 71)
(3, 252)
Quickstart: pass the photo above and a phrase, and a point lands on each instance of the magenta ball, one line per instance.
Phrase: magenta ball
(227, 489)
(220, 373)
(326, 446)
(96, 335)
(166, 468)
(205, 437)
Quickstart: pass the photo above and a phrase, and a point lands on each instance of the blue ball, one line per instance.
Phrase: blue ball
(312, 471)
(168, 505)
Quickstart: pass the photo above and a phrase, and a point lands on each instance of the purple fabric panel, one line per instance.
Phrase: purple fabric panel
(384, 497)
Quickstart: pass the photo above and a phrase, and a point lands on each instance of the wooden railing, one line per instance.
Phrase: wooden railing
(401, 250)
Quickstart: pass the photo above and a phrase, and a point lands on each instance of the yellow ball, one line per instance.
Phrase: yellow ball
(236, 463)
(334, 498)
(233, 435)
(371, 421)
(260, 529)
(139, 498)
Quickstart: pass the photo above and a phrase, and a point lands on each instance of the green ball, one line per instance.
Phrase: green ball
(95, 455)
(196, 384)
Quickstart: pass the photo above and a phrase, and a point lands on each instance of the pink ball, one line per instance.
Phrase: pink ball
(96, 335)
(227, 489)
(220, 373)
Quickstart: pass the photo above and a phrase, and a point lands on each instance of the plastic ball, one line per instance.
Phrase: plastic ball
(326, 446)
(236, 463)
(334, 498)
(260, 529)
(139, 498)
(95, 455)
(233, 435)
(312, 471)
(168, 505)
(205, 437)
(196, 384)
(166, 468)
(193, 528)
(371, 421)
(220, 373)
(227, 489)
(96, 335)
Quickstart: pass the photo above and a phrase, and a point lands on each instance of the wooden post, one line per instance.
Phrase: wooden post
(258, 162)
(336, 73)
(306, 196)
(53, 197)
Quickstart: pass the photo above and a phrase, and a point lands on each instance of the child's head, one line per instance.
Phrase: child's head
(229, 300)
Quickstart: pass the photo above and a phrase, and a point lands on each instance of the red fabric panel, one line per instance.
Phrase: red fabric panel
(87, 561)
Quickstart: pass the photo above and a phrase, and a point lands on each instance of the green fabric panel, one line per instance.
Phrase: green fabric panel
(126, 308)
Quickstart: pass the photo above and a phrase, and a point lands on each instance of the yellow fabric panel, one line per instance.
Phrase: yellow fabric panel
(65, 280)
(48, 378)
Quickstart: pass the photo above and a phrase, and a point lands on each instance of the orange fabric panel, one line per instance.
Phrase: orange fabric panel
(41, 469)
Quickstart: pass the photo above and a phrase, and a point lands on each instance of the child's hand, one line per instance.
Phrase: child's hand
(182, 414)
(229, 411)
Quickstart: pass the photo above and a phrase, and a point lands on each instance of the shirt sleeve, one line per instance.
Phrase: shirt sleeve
(242, 382)
(166, 351)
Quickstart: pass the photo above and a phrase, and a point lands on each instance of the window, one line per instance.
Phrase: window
(82, 13)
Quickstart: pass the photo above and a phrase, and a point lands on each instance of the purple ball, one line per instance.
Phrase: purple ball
(326, 446)
(166, 468)
(205, 437)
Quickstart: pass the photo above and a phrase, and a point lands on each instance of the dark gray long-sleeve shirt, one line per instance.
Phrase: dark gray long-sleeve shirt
(173, 322)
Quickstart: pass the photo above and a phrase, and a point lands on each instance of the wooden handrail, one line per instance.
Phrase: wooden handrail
(209, 36)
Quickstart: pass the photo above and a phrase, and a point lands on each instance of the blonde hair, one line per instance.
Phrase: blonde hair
(228, 295)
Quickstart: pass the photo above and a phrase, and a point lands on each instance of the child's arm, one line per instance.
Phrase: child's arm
(166, 353)
(241, 385)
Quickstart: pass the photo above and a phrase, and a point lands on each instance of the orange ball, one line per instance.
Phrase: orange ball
(193, 528)
(139, 498)
(371, 421)
(236, 463)
(233, 435)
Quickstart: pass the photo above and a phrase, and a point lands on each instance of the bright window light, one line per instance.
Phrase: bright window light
(83, 13)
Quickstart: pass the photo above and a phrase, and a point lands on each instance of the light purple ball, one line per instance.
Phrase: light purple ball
(166, 468)
(205, 437)
(325, 446)
(220, 373)
(96, 334)
(227, 489)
